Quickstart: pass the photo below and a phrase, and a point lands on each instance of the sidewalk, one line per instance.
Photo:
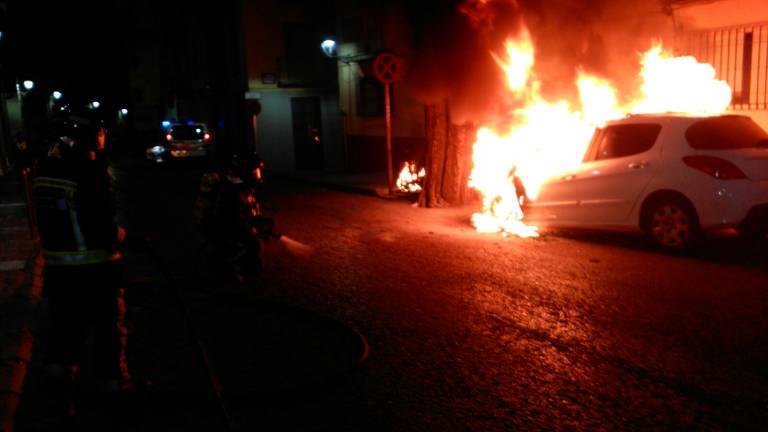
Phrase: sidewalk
(373, 184)
(20, 288)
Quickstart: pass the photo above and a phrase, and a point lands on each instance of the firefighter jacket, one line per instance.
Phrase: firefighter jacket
(75, 214)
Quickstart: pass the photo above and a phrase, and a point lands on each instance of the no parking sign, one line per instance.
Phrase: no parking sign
(387, 67)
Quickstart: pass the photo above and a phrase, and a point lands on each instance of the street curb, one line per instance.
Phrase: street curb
(361, 189)
(12, 383)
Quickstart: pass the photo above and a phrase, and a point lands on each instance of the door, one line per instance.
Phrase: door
(615, 172)
(617, 167)
(307, 133)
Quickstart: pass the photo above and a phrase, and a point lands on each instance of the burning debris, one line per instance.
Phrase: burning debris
(409, 179)
(541, 139)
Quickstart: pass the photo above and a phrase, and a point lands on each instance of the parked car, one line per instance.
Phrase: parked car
(673, 177)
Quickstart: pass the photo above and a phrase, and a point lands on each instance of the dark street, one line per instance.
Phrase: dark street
(464, 215)
(467, 331)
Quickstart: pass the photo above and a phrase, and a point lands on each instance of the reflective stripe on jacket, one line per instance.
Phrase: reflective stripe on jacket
(79, 257)
(60, 206)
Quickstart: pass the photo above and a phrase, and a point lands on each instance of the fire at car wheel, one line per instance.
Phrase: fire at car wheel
(671, 224)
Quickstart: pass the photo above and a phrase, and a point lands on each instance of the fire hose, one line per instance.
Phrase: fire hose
(266, 231)
(202, 350)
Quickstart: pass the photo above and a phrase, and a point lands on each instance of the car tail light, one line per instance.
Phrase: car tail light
(207, 136)
(718, 168)
(168, 137)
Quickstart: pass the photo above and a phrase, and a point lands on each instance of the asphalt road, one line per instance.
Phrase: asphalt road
(467, 331)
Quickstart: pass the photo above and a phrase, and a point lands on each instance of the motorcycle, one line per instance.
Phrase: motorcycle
(235, 226)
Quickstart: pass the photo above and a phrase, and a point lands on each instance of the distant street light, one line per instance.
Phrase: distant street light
(28, 84)
(123, 111)
(57, 95)
(95, 104)
(329, 47)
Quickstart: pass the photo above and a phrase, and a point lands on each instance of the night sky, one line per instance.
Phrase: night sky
(72, 48)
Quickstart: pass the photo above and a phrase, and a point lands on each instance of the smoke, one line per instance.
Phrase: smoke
(453, 60)
(603, 38)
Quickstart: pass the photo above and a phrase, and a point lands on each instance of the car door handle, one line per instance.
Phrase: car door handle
(638, 165)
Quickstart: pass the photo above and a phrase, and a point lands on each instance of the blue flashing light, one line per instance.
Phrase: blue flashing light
(190, 122)
(166, 123)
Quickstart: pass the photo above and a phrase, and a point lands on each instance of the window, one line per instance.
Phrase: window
(188, 132)
(726, 133)
(624, 140)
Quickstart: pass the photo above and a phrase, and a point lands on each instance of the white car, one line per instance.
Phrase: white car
(671, 176)
(187, 139)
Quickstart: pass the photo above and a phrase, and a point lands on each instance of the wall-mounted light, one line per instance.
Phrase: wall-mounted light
(329, 47)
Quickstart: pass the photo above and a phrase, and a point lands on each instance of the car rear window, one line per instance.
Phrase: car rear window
(188, 132)
(625, 140)
(726, 133)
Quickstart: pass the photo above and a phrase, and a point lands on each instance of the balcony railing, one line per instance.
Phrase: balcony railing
(739, 56)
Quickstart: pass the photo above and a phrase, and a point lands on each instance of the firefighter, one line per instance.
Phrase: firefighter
(228, 214)
(83, 268)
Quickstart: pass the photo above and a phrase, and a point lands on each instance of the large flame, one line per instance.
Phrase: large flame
(547, 138)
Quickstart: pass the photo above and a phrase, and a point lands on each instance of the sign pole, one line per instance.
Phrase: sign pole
(387, 69)
(387, 108)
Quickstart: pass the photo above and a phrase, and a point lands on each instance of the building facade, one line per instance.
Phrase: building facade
(292, 97)
(732, 36)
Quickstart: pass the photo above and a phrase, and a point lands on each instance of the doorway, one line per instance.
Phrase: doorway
(307, 133)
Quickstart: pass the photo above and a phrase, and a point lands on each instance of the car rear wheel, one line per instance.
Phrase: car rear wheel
(671, 223)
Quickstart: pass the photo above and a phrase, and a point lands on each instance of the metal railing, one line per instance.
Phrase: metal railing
(740, 57)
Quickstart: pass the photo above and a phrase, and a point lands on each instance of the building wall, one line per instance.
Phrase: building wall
(700, 15)
(276, 74)
(275, 141)
(731, 35)
(367, 29)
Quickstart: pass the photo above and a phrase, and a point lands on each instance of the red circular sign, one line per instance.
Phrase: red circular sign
(387, 67)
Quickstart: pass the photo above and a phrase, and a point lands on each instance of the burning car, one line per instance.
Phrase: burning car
(670, 176)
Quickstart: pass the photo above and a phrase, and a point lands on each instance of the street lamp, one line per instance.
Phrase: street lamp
(124, 111)
(329, 47)
(95, 104)
(57, 95)
(28, 84)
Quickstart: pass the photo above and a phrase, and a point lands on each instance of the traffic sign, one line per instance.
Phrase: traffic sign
(387, 67)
